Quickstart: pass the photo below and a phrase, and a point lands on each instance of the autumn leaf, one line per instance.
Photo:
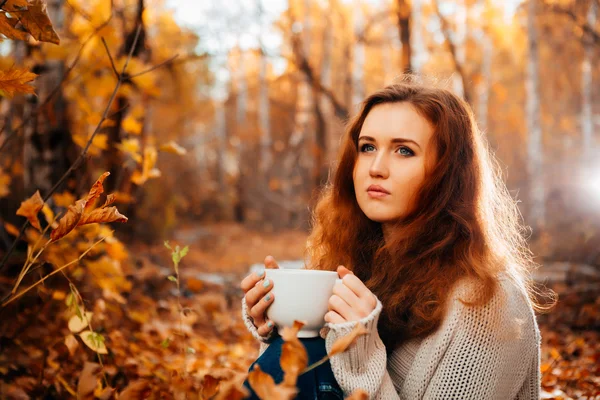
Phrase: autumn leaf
(109, 200)
(71, 343)
(63, 199)
(30, 209)
(88, 380)
(78, 323)
(210, 386)
(148, 170)
(10, 228)
(265, 388)
(358, 394)
(102, 215)
(131, 125)
(137, 390)
(96, 190)
(94, 341)
(7, 28)
(15, 81)
(172, 147)
(69, 220)
(340, 345)
(293, 354)
(36, 21)
(131, 147)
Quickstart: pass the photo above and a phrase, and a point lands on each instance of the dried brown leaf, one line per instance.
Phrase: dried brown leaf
(137, 390)
(96, 190)
(30, 209)
(69, 220)
(294, 358)
(15, 81)
(102, 215)
(340, 345)
(265, 388)
(88, 380)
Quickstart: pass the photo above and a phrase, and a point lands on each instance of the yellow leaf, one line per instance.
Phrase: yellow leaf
(48, 213)
(64, 199)
(148, 170)
(94, 341)
(131, 125)
(77, 324)
(15, 81)
(71, 343)
(132, 147)
(172, 147)
(30, 208)
(10, 228)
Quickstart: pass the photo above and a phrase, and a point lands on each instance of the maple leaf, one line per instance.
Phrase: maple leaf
(7, 28)
(30, 209)
(34, 18)
(340, 345)
(15, 81)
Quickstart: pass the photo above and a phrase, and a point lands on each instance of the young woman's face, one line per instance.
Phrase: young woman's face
(393, 151)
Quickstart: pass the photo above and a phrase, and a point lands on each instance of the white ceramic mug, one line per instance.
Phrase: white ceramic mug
(300, 294)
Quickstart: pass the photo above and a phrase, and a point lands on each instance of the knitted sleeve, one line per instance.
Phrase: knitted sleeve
(493, 352)
(362, 365)
(248, 321)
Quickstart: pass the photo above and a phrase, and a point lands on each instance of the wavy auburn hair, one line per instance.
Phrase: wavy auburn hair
(464, 222)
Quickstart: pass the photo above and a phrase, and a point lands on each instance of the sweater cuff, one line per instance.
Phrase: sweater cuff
(248, 321)
(356, 357)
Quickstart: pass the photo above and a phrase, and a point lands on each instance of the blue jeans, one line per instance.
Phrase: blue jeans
(316, 384)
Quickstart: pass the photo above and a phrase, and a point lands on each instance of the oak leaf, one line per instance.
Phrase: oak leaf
(30, 209)
(15, 81)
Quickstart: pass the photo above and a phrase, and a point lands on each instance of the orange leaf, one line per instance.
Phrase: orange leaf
(37, 23)
(30, 209)
(100, 215)
(139, 389)
(265, 388)
(358, 394)
(293, 354)
(15, 81)
(340, 345)
(69, 220)
(10, 228)
(7, 27)
(109, 200)
(4, 184)
(96, 190)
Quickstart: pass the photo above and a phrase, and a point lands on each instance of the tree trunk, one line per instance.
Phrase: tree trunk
(47, 137)
(358, 65)
(403, 12)
(534, 129)
(417, 45)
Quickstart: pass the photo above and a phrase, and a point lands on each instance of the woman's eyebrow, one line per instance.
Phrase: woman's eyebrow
(394, 140)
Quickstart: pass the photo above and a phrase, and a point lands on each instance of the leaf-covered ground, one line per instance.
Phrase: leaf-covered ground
(148, 355)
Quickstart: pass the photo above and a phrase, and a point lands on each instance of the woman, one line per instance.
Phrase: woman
(432, 257)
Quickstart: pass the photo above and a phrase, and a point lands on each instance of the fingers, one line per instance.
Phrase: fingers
(266, 328)
(271, 263)
(337, 304)
(250, 281)
(334, 318)
(259, 307)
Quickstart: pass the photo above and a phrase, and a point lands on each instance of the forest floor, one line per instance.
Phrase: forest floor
(149, 356)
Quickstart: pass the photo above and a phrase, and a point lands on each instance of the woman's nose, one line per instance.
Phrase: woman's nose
(379, 167)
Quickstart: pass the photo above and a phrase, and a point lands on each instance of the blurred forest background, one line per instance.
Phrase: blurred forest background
(217, 124)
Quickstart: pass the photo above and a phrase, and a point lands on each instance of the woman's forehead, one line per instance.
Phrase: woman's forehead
(389, 121)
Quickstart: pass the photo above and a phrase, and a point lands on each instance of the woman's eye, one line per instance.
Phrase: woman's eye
(364, 147)
(405, 151)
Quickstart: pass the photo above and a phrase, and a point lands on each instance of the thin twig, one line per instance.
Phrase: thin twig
(112, 62)
(79, 160)
(22, 292)
(155, 67)
(58, 86)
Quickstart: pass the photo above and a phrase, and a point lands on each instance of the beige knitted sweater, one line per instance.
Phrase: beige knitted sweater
(488, 352)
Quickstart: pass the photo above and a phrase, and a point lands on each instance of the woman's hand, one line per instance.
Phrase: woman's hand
(351, 300)
(255, 289)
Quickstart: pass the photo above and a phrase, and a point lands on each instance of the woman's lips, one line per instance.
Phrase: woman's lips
(376, 194)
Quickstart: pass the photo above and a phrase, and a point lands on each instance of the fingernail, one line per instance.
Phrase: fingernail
(266, 283)
(270, 324)
(260, 273)
(268, 297)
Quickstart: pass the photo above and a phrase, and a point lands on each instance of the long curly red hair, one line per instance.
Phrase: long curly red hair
(464, 222)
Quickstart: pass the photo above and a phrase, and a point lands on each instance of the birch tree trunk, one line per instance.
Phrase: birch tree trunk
(416, 37)
(535, 150)
(403, 11)
(358, 65)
